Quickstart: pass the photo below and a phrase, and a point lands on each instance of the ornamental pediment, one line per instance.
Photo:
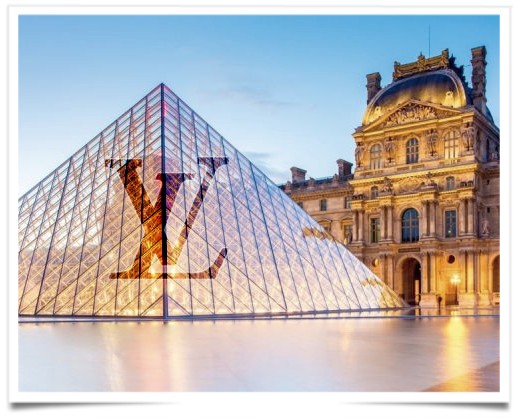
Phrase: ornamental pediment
(416, 183)
(410, 112)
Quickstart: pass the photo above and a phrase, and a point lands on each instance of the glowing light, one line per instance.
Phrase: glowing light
(455, 279)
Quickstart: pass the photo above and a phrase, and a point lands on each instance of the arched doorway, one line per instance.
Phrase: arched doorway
(411, 275)
(495, 278)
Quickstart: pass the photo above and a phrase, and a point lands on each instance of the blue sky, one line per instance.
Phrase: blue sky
(285, 90)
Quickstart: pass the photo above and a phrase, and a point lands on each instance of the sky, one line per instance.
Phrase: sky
(285, 90)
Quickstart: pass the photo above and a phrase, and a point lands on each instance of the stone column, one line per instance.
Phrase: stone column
(465, 268)
(483, 279)
(360, 225)
(476, 280)
(484, 271)
(478, 209)
(390, 222)
(428, 297)
(355, 225)
(433, 217)
(424, 274)
(383, 223)
(470, 285)
(383, 267)
(470, 216)
(462, 221)
(433, 277)
(390, 271)
(467, 299)
(424, 224)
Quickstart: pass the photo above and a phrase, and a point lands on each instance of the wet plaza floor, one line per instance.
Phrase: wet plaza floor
(412, 351)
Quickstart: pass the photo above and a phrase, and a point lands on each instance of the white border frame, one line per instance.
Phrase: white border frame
(298, 403)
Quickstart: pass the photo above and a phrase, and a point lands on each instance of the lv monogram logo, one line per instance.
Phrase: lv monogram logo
(154, 219)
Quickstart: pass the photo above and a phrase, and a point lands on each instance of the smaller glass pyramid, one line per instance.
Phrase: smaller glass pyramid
(159, 216)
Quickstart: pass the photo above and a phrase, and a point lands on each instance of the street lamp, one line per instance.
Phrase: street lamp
(455, 279)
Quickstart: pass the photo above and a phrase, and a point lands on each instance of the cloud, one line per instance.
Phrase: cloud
(263, 161)
(253, 95)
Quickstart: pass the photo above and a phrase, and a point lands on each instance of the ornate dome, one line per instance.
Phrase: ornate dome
(443, 87)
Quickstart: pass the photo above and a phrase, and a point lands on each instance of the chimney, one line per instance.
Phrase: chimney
(297, 175)
(344, 168)
(373, 85)
(478, 77)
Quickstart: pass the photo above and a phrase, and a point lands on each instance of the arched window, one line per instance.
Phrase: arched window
(375, 156)
(374, 192)
(410, 226)
(323, 205)
(450, 183)
(412, 151)
(451, 145)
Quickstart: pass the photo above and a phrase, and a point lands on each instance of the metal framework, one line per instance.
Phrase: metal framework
(159, 216)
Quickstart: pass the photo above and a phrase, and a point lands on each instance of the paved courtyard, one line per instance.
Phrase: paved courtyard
(451, 350)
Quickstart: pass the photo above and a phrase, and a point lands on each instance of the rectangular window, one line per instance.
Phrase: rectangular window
(323, 205)
(450, 223)
(375, 230)
(412, 151)
(347, 202)
(451, 145)
(450, 183)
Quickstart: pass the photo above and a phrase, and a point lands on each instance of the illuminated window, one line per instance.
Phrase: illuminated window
(451, 144)
(410, 226)
(450, 223)
(412, 151)
(450, 183)
(375, 230)
(375, 156)
(374, 192)
(323, 205)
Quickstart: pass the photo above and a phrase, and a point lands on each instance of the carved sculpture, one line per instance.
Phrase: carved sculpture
(411, 113)
(387, 185)
(429, 180)
(448, 98)
(359, 153)
(422, 64)
(485, 227)
(390, 146)
(431, 141)
(468, 133)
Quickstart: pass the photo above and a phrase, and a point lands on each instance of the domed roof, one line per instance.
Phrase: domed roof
(443, 87)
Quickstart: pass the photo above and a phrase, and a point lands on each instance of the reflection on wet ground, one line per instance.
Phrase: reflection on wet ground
(485, 379)
(408, 351)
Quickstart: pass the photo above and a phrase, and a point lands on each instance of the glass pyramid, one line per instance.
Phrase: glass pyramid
(159, 216)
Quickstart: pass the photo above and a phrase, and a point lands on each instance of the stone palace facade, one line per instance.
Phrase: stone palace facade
(422, 207)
